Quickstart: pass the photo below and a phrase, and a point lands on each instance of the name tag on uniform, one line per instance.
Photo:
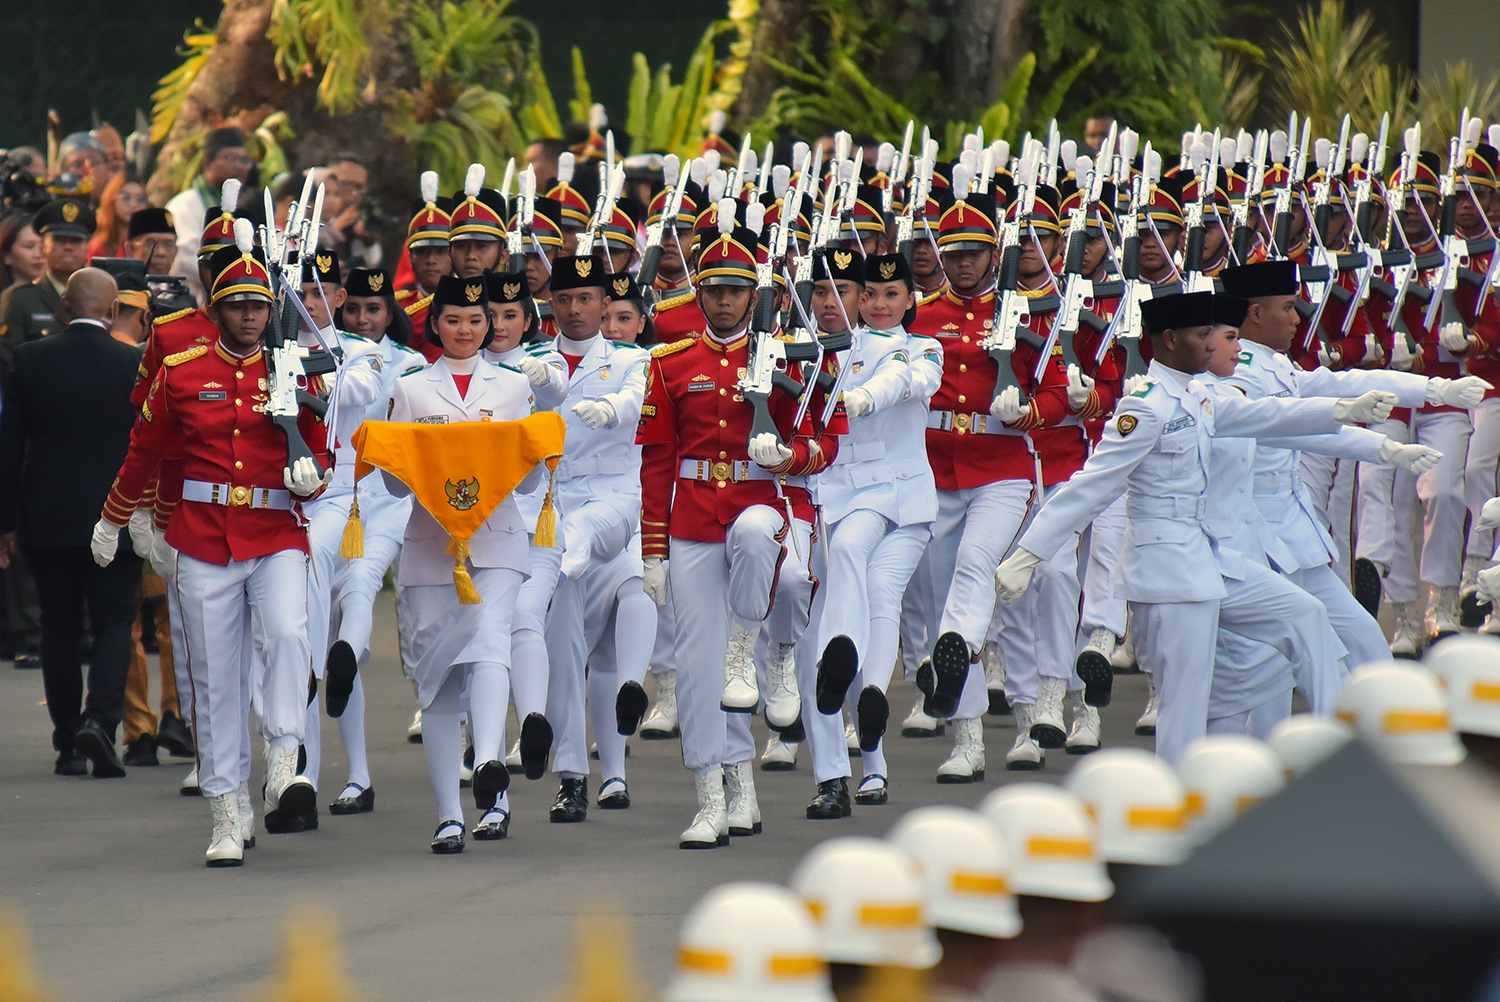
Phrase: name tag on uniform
(213, 395)
(485, 415)
(1178, 424)
(695, 387)
(42, 317)
(432, 419)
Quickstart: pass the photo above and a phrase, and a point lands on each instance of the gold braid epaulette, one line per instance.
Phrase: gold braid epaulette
(174, 316)
(185, 356)
(414, 307)
(929, 298)
(663, 350)
(667, 304)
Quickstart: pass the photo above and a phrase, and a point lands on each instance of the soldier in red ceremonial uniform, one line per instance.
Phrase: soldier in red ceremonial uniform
(731, 511)
(428, 251)
(241, 550)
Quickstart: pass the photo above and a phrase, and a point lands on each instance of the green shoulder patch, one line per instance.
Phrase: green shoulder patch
(415, 368)
(1246, 358)
(1143, 389)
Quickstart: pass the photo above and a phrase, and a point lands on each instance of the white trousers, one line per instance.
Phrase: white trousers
(1480, 474)
(1331, 485)
(1387, 499)
(259, 606)
(1039, 631)
(759, 574)
(530, 665)
(1103, 539)
(825, 732)
(919, 615)
(1357, 630)
(183, 679)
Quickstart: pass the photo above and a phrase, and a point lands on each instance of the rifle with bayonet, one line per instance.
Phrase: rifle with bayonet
(518, 237)
(1197, 212)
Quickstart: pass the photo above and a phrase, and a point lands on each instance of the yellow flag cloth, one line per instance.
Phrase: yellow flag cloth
(460, 472)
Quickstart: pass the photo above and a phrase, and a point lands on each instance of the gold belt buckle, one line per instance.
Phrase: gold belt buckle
(239, 496)
(721, 471)
(961, 423)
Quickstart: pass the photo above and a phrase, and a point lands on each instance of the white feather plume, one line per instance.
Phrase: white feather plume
(1081, 167)
(1409, 142)
(698, 171)
(1244, 146)
(1473, 131)
(229, 196)
(885, 156)
(1322, 150)
(1493, 135)
(713, 158)
(799, 154)
(1000, 152)
(1228, 150)
(473, 180)
(1278, 147)
(970, 159)
(671, 169)
(1359, 145)
(244, 235)
(971, 143)
(747, 169)
(726, 215)
(1152, 166)
(1189, 141)
(716, 184)
(597, 117)
(1129, 144)
(429, 185)
(963, 176)
(755, 217)
(566, 164)
(716, 122)
(1069, 153)
(781, 177)
(932, 151)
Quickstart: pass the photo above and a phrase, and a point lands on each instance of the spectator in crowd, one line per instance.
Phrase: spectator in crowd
(121, 199)
(81, 154)
(542, 157)
(353, 236)
(21, 260)
(31, 311)
(151, 238)
(224, 157)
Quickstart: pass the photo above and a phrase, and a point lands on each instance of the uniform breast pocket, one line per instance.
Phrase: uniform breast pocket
(869, 474)
(1180, 452)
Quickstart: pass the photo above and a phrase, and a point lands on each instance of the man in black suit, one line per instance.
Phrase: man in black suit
(64, 433)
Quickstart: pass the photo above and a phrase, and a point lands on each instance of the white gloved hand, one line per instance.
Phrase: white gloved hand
(303, 479)
(1455, 338)
(858, 402)
(161, 554)
(1488, 584)
(141, 536)
(1131, 384)
(1328, 359)
(1417, 459)
(767, 451)
(1465, 392)
(106, 540)
(535, 369)
(1079, 388)
(1374, 353)
(594, 413)
(1013, 576)
(654, 579)
(1007, 405)
(1370, 408)
(1489, 515)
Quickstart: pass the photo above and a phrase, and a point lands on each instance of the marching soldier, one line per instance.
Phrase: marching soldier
(428, 253)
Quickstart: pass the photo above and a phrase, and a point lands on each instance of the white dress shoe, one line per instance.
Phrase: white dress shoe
(245, 807)
(224, 846)
(1025, 755)
(1083, 736)
(661, 722)
(741, 693)
(742, 808)
(918, 724)
(966, 764)
(710, 825)
(1146, 724)
(1047, 727)
(779, 756)
(783, 702)
(189, 785)
(414, 732)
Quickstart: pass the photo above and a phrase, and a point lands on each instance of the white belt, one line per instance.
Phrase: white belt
(968, 424)
(1143, 506)
(588, 466)
(271, 498)
(1277, 483)
(733, 472)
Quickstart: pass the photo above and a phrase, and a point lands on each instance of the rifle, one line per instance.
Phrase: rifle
(1363, 216)
(676, 180)
(518, 236)
(1244, 234)
(916, 202)
(769, 357)
(1192, 258)
(1281, 224)
(1125, 325)
(1455, 250)
(1077, 288)
(610, 183)
(1011, 308)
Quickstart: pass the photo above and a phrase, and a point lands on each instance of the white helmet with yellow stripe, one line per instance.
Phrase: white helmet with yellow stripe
(1226, 775)
(869, 903)
(1470, 666)
(1303, 740)
(749, 942)
(967, 869)
(1138, 804)
(1052, 840)
(1401, 709)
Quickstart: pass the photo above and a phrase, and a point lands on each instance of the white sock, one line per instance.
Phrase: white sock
(603, 685)
(489, 698)
(352, 731)
(443, 745)
(635, 633)
(528, 673)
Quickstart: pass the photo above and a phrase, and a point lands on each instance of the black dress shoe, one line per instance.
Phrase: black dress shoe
(490, 780)
(950, 670)
(1098, 677)
(361, 803)
(618, 800)
(836, 671)
(338, 677)
(1367, 585)
(536, 745)
(493, 827)
(1471, 611)
(831, 801)
(630, 707)
(998, 706)
(572, 803)
(71, 763)
(452, 841)
(94, 742)
(874, 714)
(173, 735)
(140, 752)
(875, 795)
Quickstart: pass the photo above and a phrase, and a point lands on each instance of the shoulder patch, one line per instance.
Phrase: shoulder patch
(415, 368)
(1143, 389)
(1126, 424)
(507, 365)
(624, 344)
(663, 350)
(185, 356)
(675, 301)
(409, 351)
(929, 298)
(1246, 358)
(418, 305)
(356, 337)
(174, 316)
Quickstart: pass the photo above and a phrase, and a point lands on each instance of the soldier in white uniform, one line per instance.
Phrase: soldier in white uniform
(1182, 586)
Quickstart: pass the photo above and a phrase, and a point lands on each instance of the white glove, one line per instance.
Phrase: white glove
(1013, 576)
(1079, 388)
(1455, 338)
(594, 413)
(1489, 515)
(858, 402)
(535, 369)
(1131, 384)
(1402, 357)
(1370, 408)
(1007, 405)
(1374, 353)
(1465, 392)
(1417, 459)
(303, 479)
(106, 540)
(141, 536)
(767, 451)
(1488, 584)
(161, 554)
(1328, 359)
(654, 579)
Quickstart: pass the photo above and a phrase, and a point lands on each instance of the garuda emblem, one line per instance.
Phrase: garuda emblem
(464, 494)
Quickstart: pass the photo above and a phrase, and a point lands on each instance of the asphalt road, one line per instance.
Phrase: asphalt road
(109, 874)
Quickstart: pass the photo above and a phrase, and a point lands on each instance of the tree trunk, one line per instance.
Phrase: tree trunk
(986, 39)
(782, 23)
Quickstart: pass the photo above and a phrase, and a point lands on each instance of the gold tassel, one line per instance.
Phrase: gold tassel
(467, 593)
(546, 522)
(354, 533)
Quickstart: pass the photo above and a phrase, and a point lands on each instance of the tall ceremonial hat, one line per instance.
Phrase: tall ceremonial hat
(478, 212)
(889, 268)
(801, 226)
(238, 270)
(1335, 185)
(144, 222)
(622, 285)
(593, 147)
(716, 140)
(1229, 309)
(1480, 165)
(1072, 198)
(1424, 180)
(686, 212)
(1044, 211)
(429, 215)
(546, 222)
(726, 255)
(839, 265)
(323, 262)
(575, 207)
(1220, 198)
(579, 272)
(969, 223)
(1165, 204)
(218, 232)
(622, 231)
(65, 217)
(865, 217)
(1264, 278)
(507, 287)
(1178, 312)
(367, 282)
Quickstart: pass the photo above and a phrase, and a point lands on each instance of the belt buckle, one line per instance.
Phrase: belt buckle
(239, 496)
(721, 471)
(961, 423)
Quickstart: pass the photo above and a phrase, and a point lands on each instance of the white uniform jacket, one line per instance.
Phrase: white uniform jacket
(605, 463)
(547, 397)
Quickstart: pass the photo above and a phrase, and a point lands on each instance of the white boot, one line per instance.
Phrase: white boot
(741, 694)
(189, 785)
(1025, 754)
(779, 756)
(783, 702)
(224, 846)
(994, 681)
(739, 791)
(966, 764)
(710, 825)
(1442, 612)
(283, 784)
(245, 808)
(1123, 658)
(1406, 641)
(851, 740)
(1145, 725)
(1047, 727)
(1083, 737)
(661, 723)
(918, 724)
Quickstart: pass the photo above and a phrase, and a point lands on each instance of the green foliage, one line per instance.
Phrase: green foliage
(1322, 69)
(662, 115)
(167, 100)
(336, 35)
(454, 43)
(583, 94)
(477, 128)
(1445, 96)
